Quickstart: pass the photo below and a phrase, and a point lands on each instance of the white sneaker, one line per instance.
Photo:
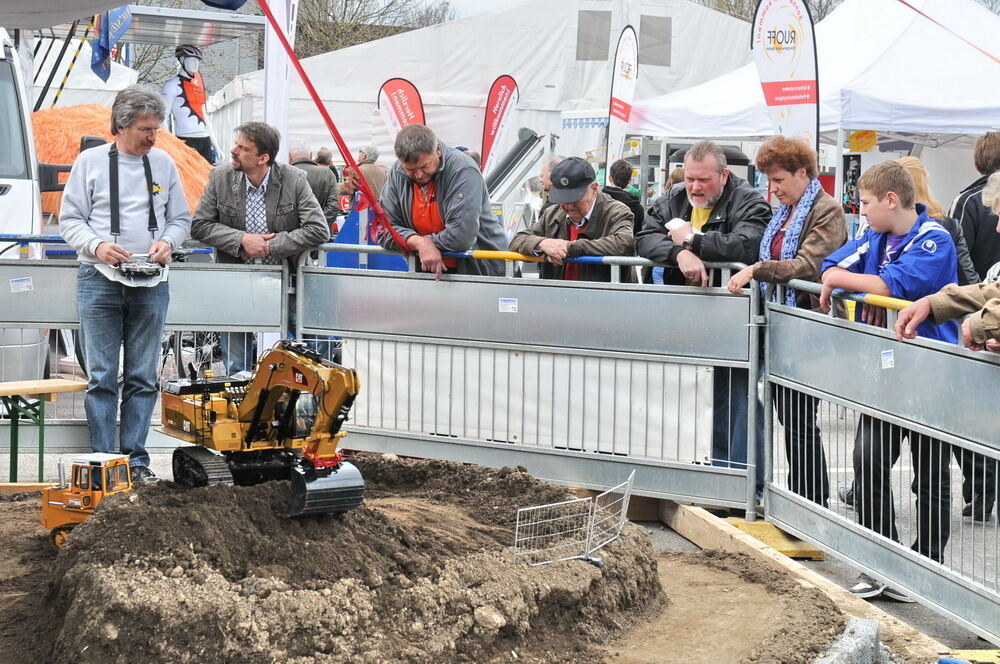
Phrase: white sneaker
(867, 587)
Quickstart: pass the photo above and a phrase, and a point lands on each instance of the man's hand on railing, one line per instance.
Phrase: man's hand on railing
(910, 317)
(692, 268)
(555, 250)
(739, 280)
(428, 253)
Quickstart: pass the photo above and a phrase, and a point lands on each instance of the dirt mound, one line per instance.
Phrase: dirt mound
(421, 573)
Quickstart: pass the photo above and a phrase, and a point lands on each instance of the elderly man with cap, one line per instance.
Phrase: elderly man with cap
(583, 221)
(436, 199)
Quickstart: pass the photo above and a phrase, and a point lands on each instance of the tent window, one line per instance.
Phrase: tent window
(593, 35)
(654, 40)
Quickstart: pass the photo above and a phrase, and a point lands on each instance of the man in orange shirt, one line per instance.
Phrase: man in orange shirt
(436, 199)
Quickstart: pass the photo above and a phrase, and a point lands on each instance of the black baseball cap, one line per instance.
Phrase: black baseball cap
(570, 179)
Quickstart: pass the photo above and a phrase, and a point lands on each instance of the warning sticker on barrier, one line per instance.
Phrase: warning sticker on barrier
(21, 285)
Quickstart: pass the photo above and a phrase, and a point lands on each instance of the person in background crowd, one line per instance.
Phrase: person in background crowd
(473, 155)
(374, 174)
(978, 222)
(807, 227)
(907, 255)
(320, 179)
(621, 175)
(921, 182)
(544, 177)
(325, 158)
(583, 222)
(676, 177)
(724, 219)
(435, 197)
(256, 211)
(980, 331)
(152, 217)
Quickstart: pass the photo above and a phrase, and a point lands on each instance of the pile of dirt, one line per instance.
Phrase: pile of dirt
(421, 573)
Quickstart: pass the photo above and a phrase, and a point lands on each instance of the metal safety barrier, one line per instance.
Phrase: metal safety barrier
(571, 379)
(875, 447)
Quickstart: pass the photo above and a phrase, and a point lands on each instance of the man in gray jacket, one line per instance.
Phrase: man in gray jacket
(256, 211)
(436, 199)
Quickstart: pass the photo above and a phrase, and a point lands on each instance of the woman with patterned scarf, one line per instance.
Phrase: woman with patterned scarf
(807, 227)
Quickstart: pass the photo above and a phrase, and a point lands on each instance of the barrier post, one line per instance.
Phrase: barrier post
(754, 371)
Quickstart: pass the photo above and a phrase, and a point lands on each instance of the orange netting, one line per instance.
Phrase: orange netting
(57, 140)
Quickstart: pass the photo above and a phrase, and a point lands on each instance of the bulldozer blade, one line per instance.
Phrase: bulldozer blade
(325, 491)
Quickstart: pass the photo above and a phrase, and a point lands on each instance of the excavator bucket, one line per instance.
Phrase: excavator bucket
(325, 491)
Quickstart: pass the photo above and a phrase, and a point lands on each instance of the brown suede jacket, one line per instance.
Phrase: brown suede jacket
(608, 233)
(824, 232)
(981, 300)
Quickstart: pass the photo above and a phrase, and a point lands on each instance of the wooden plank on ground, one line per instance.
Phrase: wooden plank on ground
(777, 539)
(21, 487)
(711, 532)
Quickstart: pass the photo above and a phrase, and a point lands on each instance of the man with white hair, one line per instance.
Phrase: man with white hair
(320, 178)
(374, 174)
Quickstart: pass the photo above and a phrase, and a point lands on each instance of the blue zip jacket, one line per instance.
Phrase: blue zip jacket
(924, 263)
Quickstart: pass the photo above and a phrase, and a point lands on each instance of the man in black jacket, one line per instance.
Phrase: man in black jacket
(724, 221)
(979, 223)
(620, 174)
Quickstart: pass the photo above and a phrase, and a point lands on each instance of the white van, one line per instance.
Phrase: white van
(22, 351)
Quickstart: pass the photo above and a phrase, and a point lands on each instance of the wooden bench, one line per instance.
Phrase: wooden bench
(15, 394)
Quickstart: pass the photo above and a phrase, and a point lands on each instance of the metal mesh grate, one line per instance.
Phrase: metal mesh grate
(571, 528)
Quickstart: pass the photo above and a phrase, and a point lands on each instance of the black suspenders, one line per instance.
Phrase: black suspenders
(113, 177)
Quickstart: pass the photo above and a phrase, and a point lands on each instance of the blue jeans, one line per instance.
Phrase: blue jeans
(113, 315)
(729, 423)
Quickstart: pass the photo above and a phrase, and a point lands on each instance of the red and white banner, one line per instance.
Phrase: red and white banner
(783, 44)
(499, 103)
(623, 80)
(400, 105)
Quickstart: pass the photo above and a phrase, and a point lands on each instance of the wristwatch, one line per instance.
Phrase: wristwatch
(687, 241)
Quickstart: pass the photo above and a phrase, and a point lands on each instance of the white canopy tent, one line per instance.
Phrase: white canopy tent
(453, 64)
(882, 66)
(83, 86)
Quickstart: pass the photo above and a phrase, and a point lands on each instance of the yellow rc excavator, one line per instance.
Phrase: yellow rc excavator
(283, 423)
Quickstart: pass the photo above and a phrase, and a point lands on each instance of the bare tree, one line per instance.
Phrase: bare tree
(992, 5)
(744, 9)
(327, 25)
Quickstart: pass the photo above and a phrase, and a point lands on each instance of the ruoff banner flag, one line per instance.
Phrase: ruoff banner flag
(400, 105)
(623, 80)
(499, 103)
(783, 44)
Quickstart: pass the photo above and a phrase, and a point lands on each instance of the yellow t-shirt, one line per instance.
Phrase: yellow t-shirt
(700, 216)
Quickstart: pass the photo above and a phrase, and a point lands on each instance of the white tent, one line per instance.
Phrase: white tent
(882, 66)
(453, 65)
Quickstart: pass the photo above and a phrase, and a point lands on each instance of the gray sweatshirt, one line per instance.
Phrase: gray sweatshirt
(85, 217)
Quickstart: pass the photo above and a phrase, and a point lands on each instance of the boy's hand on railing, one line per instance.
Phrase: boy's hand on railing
(824, 297)
(739, 280)
(692, 268)
(910, 317)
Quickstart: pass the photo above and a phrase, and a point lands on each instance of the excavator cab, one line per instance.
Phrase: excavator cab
(92, 478)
